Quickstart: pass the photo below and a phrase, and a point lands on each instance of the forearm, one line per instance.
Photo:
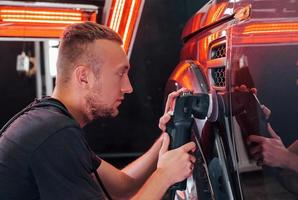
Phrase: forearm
(144, 166)
(294, 147)
(154, 188)
(126, 182)
(173, 166)
(118, 184)
(291, 162)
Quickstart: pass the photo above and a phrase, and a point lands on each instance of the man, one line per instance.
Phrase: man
(43, 154)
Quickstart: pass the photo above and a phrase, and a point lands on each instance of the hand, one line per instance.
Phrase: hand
(169, 108)
(176, 165)
(244, 88)
(268, 151)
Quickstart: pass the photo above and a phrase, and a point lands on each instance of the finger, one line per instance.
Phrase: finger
(272, 132)
(192, 159)
(162, 127)
(255, 138)
(165, 144)
(164, 119)
(254, 90)
(170, 101)
(191, 167)
(266, 111)
(188, 146)
(255, 149)
(193, 150)
(258, 157)
(260, 162)
(243, 88)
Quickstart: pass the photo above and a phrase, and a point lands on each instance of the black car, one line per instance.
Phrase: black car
(242, 54)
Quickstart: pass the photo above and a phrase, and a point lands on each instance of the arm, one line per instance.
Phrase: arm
(126, 182)
(130, 180)
(173, 166)
(294, 147)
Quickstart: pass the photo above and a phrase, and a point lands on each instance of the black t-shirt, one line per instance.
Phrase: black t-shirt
(44, 155)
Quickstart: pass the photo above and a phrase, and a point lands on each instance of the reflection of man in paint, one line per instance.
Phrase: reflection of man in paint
(268, 149)
(297, 72)
(263, 144)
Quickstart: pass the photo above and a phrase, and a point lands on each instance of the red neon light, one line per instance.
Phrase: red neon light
(215, 13)
(262, 28)
(267, 33)
(39, 15)
(17, 21)
(123, 17)
(180, 77)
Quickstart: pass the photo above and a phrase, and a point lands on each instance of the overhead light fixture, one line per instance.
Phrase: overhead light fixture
(46, 20)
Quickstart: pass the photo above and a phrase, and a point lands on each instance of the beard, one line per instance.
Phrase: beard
(99, 110)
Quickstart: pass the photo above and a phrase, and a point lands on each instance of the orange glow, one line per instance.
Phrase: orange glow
(180, 78)
(18, 31)
(39, 15)
(181, 70)
(189, 51)
(203, 50)
(18, 21)
(116, 17)
(213, 37)
(215, 12)
(271, 28)
(268, 33)
(186, 82)
(123, 17)
(179, 75)
(267, 40)
(193, 24)
(12, 10)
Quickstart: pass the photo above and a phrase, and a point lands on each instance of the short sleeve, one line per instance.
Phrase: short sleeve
(63, 165)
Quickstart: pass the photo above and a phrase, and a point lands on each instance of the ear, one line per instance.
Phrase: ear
(82, 75)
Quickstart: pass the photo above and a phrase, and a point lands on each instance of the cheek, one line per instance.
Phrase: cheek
(108, 89)
(113, 84)
(108, 94)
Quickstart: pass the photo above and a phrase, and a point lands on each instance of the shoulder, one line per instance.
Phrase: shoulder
(66, 147)
(38, 124)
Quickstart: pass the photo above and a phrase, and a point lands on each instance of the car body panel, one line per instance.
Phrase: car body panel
(236, 44)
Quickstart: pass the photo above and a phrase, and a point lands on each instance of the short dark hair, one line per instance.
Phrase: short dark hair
(74, 42)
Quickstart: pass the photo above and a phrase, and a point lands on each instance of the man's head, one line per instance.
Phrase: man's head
(93, 67)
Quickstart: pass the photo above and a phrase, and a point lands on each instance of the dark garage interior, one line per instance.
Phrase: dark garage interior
(244, 51)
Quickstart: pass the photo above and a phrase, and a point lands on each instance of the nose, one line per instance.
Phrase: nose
(127, 87)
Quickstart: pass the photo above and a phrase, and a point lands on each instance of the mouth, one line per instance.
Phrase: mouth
(119, 101)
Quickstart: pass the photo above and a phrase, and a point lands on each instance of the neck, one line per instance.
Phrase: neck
(73, 105)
